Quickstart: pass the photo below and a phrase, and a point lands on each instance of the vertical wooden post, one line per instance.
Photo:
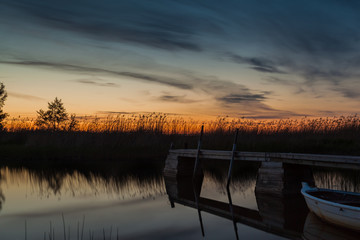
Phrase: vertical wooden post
(232, 213)
(198, 152)
(196, 196)
(232, 158)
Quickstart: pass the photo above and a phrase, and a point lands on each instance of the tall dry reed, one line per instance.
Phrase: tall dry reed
(165, 124)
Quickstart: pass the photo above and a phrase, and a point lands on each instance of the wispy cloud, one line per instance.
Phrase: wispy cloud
(94, 70)
(176, 99)
(224, 93)
(241, 98)
(113, 21)
(24, 96)
(348, 92)
(97, 82)
(255, 63)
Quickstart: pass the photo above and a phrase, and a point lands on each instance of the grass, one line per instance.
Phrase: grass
(80, 235)
(149, 136)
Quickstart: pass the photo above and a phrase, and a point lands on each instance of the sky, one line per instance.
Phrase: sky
(250, 58)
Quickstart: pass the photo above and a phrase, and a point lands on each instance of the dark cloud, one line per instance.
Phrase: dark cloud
(25, 96)
(240, 98)
(258, 64)
(334, 78)
(279, 81)
(159, 79)
(93, 70)
(208, 84)
(225, 93)
(176, 99)
(348, 92)
(97, 82)
(116, 21)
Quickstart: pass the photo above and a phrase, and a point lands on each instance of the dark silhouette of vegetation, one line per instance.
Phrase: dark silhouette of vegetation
(55, 117)
(148, 137)
(3, 96)
(73, 123)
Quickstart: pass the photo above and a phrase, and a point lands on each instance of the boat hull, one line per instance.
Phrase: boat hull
(335, 213)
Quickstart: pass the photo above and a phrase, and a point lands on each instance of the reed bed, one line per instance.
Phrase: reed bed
(165, 124)
(149, 136)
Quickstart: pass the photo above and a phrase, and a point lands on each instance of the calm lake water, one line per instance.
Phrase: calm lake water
(118, 202)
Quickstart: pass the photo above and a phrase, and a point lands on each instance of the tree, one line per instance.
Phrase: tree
(73, 123)
(54, 116)
(3, 96)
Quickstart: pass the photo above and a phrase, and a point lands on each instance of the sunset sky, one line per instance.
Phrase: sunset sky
(256, 59)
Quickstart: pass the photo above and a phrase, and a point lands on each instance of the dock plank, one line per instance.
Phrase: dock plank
(337, 161)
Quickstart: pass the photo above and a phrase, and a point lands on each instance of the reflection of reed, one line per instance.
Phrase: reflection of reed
(345, 180)
(2, 196)
(243, 177)
(80, 184)
(239, 184)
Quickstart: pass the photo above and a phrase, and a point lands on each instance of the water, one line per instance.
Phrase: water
(122, 202)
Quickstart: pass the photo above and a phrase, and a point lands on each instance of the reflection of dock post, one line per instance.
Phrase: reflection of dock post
(178, 174)
(282, 212)
(187, 169)
(277, 178)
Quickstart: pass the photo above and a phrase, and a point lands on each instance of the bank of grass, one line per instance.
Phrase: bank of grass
(148, 137)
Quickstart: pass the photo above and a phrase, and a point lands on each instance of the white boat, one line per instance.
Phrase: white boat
(336, 207)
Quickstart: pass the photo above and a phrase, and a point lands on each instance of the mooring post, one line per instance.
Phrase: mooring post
(232, 213)
(232, 158)
(196, 196)
(198, 152)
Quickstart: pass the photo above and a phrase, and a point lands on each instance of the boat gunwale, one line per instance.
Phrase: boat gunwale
(307, 188)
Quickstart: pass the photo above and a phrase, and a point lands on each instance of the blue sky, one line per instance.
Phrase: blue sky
(258, 59)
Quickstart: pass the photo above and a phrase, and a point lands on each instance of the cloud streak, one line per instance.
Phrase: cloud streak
(225, 93)
(255, 63)
(241, 98)
(97, 82)
(114, 21)
(94, 70)
(176, 99)
(25, 96)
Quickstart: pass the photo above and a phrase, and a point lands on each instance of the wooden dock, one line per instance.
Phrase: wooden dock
(334, 161)
(280, 173)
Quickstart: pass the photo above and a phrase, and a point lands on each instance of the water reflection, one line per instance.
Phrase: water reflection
(315, 229)
(56, 184)
(133, 200)
(345, 180)
(286, 217)
(2, 196)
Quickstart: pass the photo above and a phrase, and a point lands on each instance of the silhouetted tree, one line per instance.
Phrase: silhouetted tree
(73, 123)
(54, 116)
(3, 96)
